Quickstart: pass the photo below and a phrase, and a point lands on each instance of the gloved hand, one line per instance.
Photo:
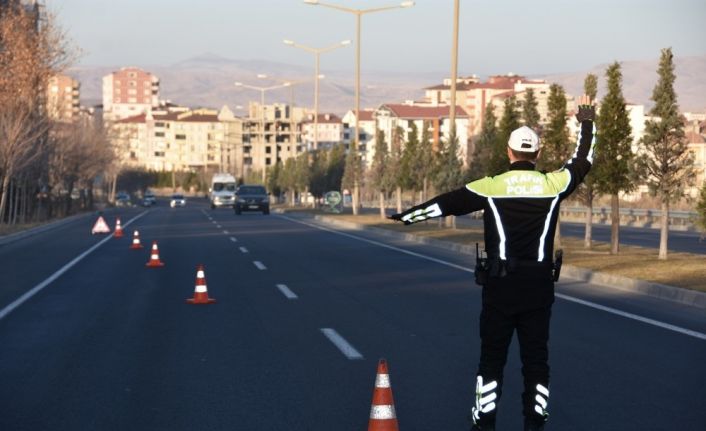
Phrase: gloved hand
(586, 109)
(398, 217)
(586, 112)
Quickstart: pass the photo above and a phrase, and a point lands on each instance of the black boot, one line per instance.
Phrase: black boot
(483, 428)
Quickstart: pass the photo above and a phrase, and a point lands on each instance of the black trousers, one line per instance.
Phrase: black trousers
(523, 305)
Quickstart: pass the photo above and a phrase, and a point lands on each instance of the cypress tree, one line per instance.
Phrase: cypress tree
(408, 174)
(484, 147)
(667, 162)
(613, 153)
(701, 212)
(530, 113)
(449, 172)
(509, 122)
(396, 164)
(380, 177)
(555, 140)
(587, 191)
(424, 163)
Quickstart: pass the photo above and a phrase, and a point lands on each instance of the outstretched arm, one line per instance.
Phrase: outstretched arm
(457, 202)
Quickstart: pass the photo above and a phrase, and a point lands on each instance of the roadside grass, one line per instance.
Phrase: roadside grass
(685, 270)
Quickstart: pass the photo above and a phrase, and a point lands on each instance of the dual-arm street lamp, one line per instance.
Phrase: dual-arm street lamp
(262, 91)
(358, 14)
(317, 53)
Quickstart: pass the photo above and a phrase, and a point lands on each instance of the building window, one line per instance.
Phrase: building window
(159, 134)
(268, 161)
(268, 150)
(180, 136)
(159, 153)
(132, 84)
(159, 124)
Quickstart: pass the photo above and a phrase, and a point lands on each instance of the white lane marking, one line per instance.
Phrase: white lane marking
(344, 346)
(234, 239)
(286, 291)
(218, 226)
(36, 289)
(226, 232)
(243, 249)
(667, 326)
(259, 265)
(647, 320)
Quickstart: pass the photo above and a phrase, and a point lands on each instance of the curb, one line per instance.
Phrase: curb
(7, 239)
(662, 291)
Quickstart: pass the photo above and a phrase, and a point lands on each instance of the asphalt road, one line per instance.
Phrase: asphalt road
(682, 241)
(111, 345)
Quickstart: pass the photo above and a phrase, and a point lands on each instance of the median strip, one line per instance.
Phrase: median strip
(344, 346)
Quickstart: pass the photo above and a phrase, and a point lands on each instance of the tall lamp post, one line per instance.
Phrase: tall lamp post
(358, 15)
(317, 54)
(262, 91)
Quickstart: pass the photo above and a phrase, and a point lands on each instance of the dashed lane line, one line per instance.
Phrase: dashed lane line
(344, 346)
(244, 250)
(259, 265)
(234, 239)
(226, 232)
(286, 291)
(615, 311)
(36, 289)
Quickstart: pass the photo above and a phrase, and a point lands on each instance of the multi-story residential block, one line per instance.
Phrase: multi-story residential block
(435, 119)
(180, 139)
(366, 133)
(271, 134)
(63, 102)
(329, 133)
(129, 92)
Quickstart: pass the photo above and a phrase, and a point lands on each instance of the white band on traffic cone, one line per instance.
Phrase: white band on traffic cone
(383, 412)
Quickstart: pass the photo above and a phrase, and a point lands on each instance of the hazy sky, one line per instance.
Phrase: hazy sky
(496, 36)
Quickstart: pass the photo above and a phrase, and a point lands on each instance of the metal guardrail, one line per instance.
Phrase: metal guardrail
(634, 216)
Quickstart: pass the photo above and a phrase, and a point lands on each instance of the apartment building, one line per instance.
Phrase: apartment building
(129, 92)
(697, 146)
(271, 134)
(366, 133)
(435, 119)
(63, 102)
(328, 131)
(181, 139)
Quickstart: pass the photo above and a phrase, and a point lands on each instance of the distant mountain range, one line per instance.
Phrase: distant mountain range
(208, 81)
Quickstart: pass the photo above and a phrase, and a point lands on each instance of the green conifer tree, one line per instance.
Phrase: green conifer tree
(701, 212)
(530, 113)
(408, 164)
(666, 161)
(380, 177)
(613, 161)
(424, 161)
(587, 192)
(449, 171)
(510, 121)
(484, 146)
(556, 148)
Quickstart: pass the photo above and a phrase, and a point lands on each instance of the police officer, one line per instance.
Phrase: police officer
(520, 216)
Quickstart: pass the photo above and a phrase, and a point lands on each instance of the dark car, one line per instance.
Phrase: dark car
(251, 198)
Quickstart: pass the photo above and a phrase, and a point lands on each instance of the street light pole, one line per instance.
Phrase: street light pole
(454, 70)
(358, 13)
(317, 54)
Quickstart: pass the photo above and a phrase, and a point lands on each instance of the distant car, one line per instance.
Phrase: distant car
(178, 200)
(122, 200)
(149, 199)
(251, 198)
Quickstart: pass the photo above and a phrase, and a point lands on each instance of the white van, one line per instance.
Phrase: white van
(222, 191)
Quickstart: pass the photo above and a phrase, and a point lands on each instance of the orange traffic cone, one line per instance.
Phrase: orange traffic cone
(118, 229)
(136, 245)
(382, 411)
(200, 291)
(154, 257)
